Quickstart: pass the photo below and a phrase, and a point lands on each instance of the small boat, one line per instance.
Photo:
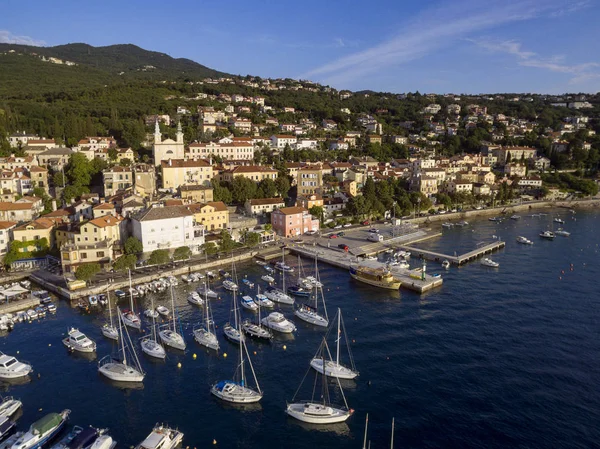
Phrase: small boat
(524, 240)
(172, 281)
(559, 220)
(41, 311)
(205, 334)
(109, 330)
(515, 217)
(45, 297)
(150, 344)
(296, 290)
(11, 368)
(32, 314)
(64, 441)
(168, 336)
(151, 313)
(204, 290)
(248, 303)
(263, 301)
(229, 285)
(198, 277)
(195, 299)
(25, 284)
(6, 427)
(224, 273)
(248, 283)
(281, 266)
(93, 300)
(42, 431)
(278, 322)
(562, 232)
(78, 341)
(254, 330)
(131, 319)
(120, 294)
(161, 437)
(446, 263)
(103, 299)
(547, 235)
(268, 279)
(186, 279)
(261, 263)
(278, 295)
(331, 367)
(163, 311)
(377, 277)
(211, 275)
(51, 308)
(447, 225)
(487, 262)
(9, 406)
(462, 223)
(269, 269)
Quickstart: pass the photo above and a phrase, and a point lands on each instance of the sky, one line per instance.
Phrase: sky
(458, 46)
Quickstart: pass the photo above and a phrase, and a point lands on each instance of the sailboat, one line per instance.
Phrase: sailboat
(333, 368)
(122, 370)
(238, 390)
(129, 317)
(231, 331)
(256, 330)
(279, 295)
(170, 337)
(109, 330)
(321, 412)
(310, 314)
(301, 288)
(150, 344)
(206, 335)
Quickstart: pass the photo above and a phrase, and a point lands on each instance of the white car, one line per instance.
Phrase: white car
(347, 225)
(337, 227)
(310, 232)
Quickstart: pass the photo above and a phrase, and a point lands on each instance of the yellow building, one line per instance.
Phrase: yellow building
(309, 201)
(39, 177)
(196, 194)
(253, 172)
(180, 172)
(42, 228)
(310, 181)
(125, 153)
(213, 215)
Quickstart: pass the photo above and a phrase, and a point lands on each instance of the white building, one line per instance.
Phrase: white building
(280, 141)
(168, 228)
(228, 151)
(163, 150)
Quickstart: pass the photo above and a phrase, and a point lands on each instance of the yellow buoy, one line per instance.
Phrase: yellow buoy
(194, 356)
(179, 365)
(225, 355)
(284, 347)
(254, 352)
(214, 441)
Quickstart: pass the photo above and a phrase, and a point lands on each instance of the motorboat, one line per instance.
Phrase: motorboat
(524, 240)
(161, 437)
(559, 220)
(278, 295)
(65, 440)
(446, 263)
(487, 262)
(78, 341)
(103, 299)
(87, 438)
(299, 291)
(42, 431)
(562, 232)
(248, 303)
(462, 223)
(224, 273)
(186, 279)
(549, 235)
(6, 427)
(11, 368)
(515, 217)
(205, 334)
(93, 300)
(32, 314)
(204, 290)
(278, 322)
(254, 330)
(195, 299)
(104, 441)
(268, 279)
(163, 311)
(498, 219)
(210, 275)
(268, 269)
(151, 313)
(260, 262)
(9, 406)
(282, 266)
(377, 277)
(248, 283)
(120, 294)
(447, 225)
(230, 285)
(172, 281)
(263, 301)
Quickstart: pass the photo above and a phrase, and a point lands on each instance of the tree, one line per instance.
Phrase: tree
(159, 257)
(133, 246)
(266, 188)
(252, 239)
(79, 170)
(226, 243)
(242, 189)
(268, 227)
(317, 211)
(182, 253)
(126, 262)
(87, 271)
(282, 183)
(209, 248)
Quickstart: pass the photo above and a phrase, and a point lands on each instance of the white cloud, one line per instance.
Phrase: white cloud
(6, 37)
(580, 72)
(434, 29)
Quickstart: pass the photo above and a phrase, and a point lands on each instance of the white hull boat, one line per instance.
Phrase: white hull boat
(9, 406)
(11, 368)
(162, 437)
(42, 431)
(231, 333)
(310, 315)
(314, 413)
(172, 339)
(487, 262)
(163, 311)
(230, 285)
(248, 303)
(206, 338)
(333, 369)
(131, 319)
(524, 241)
(254, 330)
(153, 348)
(563, 233)
(151, 313)
(231, 391)
(118, 371)
(279, 323)
(268, 279)
(263, 301)
(277, 295)
(205, 291)
(195, 299)
(77, 341)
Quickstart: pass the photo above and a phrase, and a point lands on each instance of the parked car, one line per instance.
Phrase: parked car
(341, 234)
(374, 230)
(343, 246)
(310, 232)
(337, 227)
(333, 236)
(347, 225)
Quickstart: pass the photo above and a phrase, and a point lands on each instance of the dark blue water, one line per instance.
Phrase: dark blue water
(506, 357)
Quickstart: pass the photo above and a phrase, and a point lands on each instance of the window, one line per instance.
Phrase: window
(100, 254)
(84, 255)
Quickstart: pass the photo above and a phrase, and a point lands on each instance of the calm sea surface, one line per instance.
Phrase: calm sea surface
(506, 357)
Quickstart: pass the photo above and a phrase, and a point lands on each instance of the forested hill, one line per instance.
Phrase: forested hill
(28, 70)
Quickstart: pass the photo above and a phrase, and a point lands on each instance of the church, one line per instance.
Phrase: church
(163, 150)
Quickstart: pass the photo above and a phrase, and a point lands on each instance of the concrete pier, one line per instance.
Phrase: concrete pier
(481, 250)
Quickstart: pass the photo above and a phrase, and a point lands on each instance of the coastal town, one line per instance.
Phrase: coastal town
(258, 173)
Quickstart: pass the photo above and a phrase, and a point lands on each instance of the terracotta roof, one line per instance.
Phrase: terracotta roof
(40, 223)
(106, 220)
(118, 169)
(36, 168)
(191, 188)
(15, 206)
(265, 201)
(181, 163)
(7, 224)
(58, 213)
(217, 205)
(173, 203)
(253, 169)
(291, 210)
(104, 206)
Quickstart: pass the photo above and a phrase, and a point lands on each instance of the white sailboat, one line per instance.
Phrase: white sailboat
(334, 368)
(170, 337)
(109, 330)
(206, 335)
(232, 331)
(122, 370)
(129, 317)
(279, 295)
(319, 411)
(310, 314)
(256, 330)
(150, 344)
(238, 391)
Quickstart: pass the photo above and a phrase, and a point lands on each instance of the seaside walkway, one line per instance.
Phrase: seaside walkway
(481, 250)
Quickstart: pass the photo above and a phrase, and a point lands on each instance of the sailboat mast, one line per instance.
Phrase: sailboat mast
(366, 427)
(109, 307)
(392, 442)
(241, 356)
(153, 333)
(173, 307)
(121, 339)
(283, 269)
(337, 350)
(130, 292)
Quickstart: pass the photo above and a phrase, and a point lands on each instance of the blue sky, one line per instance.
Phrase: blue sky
(460, 46)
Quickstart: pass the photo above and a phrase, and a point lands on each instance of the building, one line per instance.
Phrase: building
(262, 206)
(281, 140)
(293, 221)
(18, 212)
(125, 154)
(117, 178)
(515, 170)
(163, 150)
(196, 194)
(214, 216)
(6, 228)
(103, 209)
(168, 228)
(39, 229)
(144, 180)
(39, 178)
(530, 182)
(55, 158)
(310, 181)
(481, 189)
(178, 172)
(459, 186)
(507, 154)
(309, 201)
(254, 172)
(20, 139)
(236, 150)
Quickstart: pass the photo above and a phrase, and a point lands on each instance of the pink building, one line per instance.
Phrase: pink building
(293, 221)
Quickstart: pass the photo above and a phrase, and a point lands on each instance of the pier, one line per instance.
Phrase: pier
(481, 250)
(411, 279)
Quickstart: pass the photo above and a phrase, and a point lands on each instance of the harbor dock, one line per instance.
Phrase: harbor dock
(481, 250)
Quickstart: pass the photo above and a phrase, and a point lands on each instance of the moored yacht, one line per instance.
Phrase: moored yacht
(487, 262)
(278, 322)
(42, 431)
(162, 437)
(78, 341)
(549, 235)
(524, 240)
(11, 368)
(562, 232)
